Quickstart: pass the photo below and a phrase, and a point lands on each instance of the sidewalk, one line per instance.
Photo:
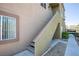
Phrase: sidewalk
(56, 48)
(24, 53)
(72, 47)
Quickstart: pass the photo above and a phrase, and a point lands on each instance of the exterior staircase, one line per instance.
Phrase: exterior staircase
(30, 50)
(31, 47)
(42, 42)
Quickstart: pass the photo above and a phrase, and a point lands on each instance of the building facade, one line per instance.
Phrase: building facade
(37, 23)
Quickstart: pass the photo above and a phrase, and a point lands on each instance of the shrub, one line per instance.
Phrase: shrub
(65, 35)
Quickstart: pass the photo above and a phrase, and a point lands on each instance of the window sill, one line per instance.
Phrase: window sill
(8, 41)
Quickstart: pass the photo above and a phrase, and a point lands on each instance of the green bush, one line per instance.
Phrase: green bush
(65, 35)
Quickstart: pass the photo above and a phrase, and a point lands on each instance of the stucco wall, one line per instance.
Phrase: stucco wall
(45, 37)
(43, 40)
(32, 18)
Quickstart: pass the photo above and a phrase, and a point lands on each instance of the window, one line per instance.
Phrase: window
(43, 5)
(8, 27)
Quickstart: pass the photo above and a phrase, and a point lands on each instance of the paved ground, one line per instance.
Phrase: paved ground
(24, 53)
(58, 47)
(57, 50)
(72, 47)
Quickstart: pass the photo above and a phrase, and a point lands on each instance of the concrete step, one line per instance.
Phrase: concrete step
(31, 48)
(32, 44)
(34, 40)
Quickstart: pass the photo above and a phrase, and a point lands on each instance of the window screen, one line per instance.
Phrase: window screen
(7, 28)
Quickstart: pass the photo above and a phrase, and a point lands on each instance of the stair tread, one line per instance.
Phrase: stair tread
(34, 40)
(32, 44)
(30, 48)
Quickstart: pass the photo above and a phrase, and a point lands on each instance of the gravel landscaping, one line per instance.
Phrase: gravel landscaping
(57, 50)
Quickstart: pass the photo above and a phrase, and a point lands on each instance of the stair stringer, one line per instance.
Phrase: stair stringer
(42, 41)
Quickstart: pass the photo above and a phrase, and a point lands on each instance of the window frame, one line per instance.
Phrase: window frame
(17, 27)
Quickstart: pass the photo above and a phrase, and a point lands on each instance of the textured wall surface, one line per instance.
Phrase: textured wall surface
(43, 40)
(32, 18)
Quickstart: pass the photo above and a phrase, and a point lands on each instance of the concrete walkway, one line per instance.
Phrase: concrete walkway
(54, 43)
(24, 53)
(72, 47)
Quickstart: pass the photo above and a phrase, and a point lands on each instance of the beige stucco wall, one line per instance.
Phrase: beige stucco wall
(32, 18)
(45, 37)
